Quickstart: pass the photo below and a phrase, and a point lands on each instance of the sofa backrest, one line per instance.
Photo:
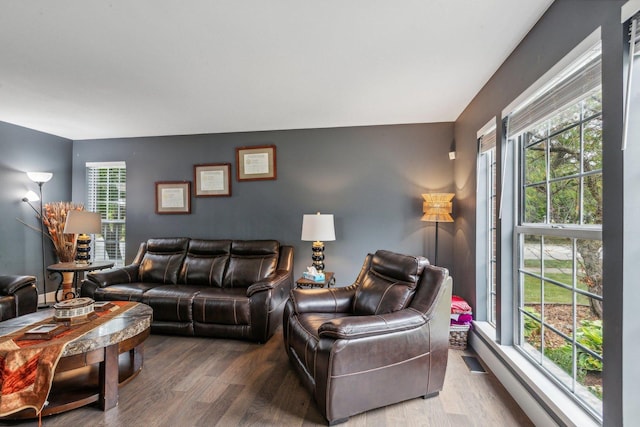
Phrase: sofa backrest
(205, 262)
(387, 282)
(250, 262)
(162, 260)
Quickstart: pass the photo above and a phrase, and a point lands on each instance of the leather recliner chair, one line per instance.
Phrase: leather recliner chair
(382, 340)
(18, 296)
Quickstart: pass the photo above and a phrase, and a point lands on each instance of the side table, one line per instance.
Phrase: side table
(69, 284)
(329, 281)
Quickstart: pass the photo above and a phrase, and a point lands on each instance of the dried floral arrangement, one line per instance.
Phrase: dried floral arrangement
(55, 217)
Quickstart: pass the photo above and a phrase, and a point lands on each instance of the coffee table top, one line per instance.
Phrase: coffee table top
(121, 327)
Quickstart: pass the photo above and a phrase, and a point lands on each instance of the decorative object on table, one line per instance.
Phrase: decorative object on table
(212, 180)
(55, 218)
(313, 274)
(460, 323)
(99, 306)
(39, 178)
(318, 228)
(328, 282)
(256, 163)
(83, 223)
(437, 208)
(74, 311)
(44, 332)
(173, 197)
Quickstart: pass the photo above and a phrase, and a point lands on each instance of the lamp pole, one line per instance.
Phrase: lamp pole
(44, 270)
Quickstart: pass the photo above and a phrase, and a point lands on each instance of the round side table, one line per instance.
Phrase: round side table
(69, 282)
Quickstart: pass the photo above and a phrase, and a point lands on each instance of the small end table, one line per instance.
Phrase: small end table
(329, 281)
(69, 287)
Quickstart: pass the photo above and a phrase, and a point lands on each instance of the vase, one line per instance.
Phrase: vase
(67, 284)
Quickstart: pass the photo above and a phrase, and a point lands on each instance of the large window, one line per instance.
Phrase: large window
(487, 216)
(106, 194)
(558, 236)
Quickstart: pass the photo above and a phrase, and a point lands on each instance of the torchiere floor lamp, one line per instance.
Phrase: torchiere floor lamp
(40, 178)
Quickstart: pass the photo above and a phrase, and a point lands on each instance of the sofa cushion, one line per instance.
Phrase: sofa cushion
(171, 302)
(389, 283)
(124, 292)
(250, 262)
(162, 260)
(222, 306)
(205, 262)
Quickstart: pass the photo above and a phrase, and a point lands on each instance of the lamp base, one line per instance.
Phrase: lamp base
(83, 249)
(318, 256)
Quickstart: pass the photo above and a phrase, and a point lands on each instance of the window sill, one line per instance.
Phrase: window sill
(541, 399)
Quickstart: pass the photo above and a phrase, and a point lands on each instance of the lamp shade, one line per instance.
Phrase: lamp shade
(318, 227)
(437, 207)
(30, 196)
(40, 177)
(82, 222)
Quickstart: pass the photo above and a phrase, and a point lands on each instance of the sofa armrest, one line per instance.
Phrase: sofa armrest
(279, 278)
(325, 300)
(10, 284)
(126, 274)
(366, 326)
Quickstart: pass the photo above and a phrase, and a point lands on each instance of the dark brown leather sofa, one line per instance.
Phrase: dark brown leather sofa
(213, 288)
(382, 340)
(18, 296)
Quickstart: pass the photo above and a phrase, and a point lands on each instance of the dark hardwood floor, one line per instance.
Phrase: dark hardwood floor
(215, 382)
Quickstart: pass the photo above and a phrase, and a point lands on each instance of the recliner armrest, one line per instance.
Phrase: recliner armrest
(10, 284)
(279, 278)
(126, 274)
(325, 300)
(367, 326)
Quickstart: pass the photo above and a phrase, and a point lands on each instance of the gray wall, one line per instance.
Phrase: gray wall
(370, 178)
(563, 27)
(28, 150)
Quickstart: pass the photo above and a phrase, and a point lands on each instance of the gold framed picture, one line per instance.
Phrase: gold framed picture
(173, 197)
(256, 163)
(212, 180)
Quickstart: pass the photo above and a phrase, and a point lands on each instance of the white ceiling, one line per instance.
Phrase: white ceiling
(86, 69)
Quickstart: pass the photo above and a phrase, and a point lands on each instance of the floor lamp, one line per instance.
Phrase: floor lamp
(40, 178)
(437, 208)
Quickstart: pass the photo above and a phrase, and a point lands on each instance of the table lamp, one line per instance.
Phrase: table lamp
(83, 223)
(318, 228)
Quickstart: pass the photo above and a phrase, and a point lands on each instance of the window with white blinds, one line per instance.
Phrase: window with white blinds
(107, 195)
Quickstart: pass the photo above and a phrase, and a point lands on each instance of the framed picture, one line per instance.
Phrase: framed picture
(173, 197)
(254, 163)
(212, 180)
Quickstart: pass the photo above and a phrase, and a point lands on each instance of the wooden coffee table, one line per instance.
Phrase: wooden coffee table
(93, 366)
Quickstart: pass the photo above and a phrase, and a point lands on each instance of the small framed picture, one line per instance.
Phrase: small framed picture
(173, 197)
(256, 163)
(212, 180)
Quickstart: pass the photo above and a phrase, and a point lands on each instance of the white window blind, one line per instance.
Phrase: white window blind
(106, 194)
(583, 77)
(488, 140)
